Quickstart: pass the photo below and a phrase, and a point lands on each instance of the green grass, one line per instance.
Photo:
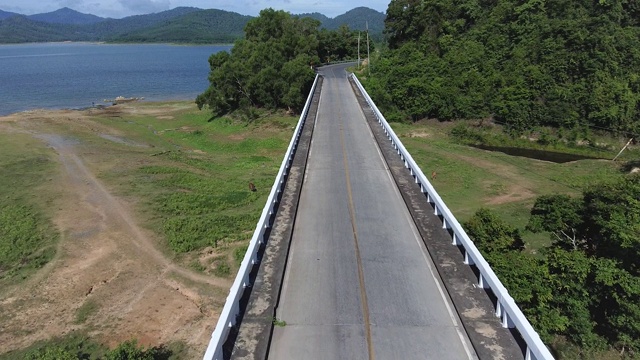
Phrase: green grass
(195, 188)
(76, 343)
(27, 236)
(469, 178)
(87, 309)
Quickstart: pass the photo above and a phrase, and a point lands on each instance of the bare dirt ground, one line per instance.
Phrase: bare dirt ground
(105, 261)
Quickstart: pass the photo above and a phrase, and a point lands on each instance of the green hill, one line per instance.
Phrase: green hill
(205, 26)
(114, 28)
(316, 16)
(179, 25)
(19, 29)
(357, 19)
(6, 14)
(66, 16)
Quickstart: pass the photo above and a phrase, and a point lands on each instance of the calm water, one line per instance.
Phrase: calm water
(75, 75)
(544, 155)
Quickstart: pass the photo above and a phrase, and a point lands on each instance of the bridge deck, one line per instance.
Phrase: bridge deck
(358, 283)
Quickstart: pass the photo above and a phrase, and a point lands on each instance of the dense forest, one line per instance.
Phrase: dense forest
(586, 285)
(272, 67)
(521, 63)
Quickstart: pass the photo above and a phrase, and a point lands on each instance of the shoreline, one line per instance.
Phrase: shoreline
(95, 107)
(88, 42)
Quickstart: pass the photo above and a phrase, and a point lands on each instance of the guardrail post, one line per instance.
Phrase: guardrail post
(455, 241)
(506, 320)
(467, 259)
(528, 355)
(482, 283)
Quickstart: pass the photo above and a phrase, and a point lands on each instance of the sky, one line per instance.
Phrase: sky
(122, 8)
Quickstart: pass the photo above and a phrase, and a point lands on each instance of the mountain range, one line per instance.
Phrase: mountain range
(179, 25)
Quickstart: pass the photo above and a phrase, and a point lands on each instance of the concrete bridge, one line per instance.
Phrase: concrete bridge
(357, 257)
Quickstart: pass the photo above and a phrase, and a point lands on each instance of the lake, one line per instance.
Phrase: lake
(78, 75)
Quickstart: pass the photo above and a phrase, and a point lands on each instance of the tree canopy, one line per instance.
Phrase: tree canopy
(587, 284)
(272, 67)
(522, 63)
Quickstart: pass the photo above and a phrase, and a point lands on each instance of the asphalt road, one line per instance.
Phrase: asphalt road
(358, 283)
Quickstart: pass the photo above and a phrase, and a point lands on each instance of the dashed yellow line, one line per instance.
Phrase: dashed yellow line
(363, 292)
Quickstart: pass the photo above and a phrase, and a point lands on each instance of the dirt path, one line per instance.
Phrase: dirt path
(112, 266)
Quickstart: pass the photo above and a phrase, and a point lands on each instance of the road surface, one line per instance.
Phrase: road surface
(359, 283)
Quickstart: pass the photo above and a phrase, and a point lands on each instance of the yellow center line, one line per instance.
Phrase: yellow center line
(363, 292)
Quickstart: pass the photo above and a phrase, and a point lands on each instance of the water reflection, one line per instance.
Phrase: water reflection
(551, 156)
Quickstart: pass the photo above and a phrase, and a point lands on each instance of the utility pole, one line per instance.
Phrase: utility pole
(368, 55)
(626, 146)
(358, 51)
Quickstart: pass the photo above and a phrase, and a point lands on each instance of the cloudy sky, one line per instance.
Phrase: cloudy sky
(122, 8)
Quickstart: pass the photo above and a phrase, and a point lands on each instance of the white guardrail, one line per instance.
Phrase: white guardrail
(506, 308)
(231, 308)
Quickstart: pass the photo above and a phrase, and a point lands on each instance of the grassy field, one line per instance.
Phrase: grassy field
(27, 234)
(189, 177)
(186, 179)
(469, 178)
(193, 182)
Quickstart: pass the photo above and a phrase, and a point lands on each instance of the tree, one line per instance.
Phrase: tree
(269, 68)
(491, 235)
(527, 278)
(51, 353)
(612, 221)
(593, 262)
(561, 215)
(129, 350)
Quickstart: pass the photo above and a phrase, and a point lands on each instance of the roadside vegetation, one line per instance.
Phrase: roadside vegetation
(540, 77)
(78, 346)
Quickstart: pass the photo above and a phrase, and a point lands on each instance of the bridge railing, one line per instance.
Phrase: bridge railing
(231, 309)
(510, 314)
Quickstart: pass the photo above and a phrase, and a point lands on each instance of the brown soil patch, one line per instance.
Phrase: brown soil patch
(106, 257)
(419, 134)
(236, 137)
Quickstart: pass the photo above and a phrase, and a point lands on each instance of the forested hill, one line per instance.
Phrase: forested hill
(66, 16)
(205, 26)
(522, 63)
(20, 28)
(6, 14)
(181, 25)
(355, 19)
